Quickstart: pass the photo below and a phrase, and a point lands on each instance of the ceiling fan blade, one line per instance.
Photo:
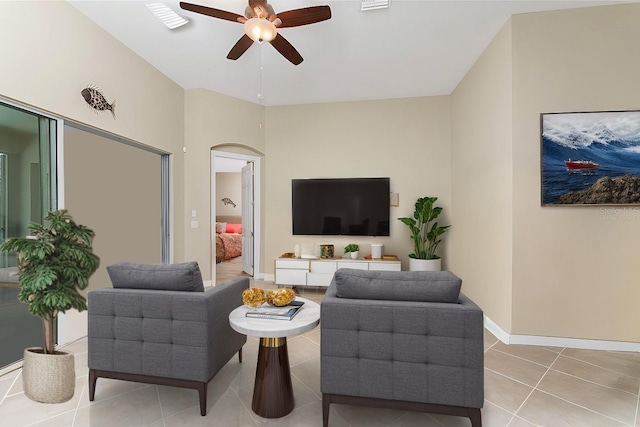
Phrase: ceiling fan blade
(209, 11)
(304, 16)
(240, 47)
(286, 49)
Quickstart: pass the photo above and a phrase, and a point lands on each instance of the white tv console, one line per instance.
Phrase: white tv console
(319, 272)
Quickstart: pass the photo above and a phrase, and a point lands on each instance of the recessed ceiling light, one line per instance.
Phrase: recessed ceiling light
(374, 4)
(167, 16)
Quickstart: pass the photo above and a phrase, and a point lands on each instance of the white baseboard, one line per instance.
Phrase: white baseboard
(268, 277)
(559, 341)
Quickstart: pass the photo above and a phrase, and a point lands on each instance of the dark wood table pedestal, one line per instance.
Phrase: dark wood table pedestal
(272, 391)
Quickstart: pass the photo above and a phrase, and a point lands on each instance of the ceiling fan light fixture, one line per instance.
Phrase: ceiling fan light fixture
(260, 29)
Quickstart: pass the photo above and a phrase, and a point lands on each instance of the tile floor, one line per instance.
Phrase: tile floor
(524, 386)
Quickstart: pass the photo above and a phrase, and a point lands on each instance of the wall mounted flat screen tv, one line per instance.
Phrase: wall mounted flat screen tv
(340, 206)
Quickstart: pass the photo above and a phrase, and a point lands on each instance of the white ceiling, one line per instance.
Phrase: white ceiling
(414, 48)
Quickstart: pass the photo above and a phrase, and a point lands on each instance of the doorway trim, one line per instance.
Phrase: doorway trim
(257, 208)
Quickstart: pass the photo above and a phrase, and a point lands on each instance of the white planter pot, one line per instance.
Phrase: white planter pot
(425, 264)
(354, 255)
(48, 378)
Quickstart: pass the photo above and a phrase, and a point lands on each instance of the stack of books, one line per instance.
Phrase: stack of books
(286, 312)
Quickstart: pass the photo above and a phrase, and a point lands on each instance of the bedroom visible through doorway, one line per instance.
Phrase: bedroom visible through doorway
(233, 213)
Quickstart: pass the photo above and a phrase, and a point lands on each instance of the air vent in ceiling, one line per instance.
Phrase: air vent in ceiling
(374, 4)
(167, 16)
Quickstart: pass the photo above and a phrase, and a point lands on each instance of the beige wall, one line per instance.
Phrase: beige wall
(123, 207)
(212, 119)
(51, 52)
(482, 176)
(565, 272)
(404, 139)
(575, 273)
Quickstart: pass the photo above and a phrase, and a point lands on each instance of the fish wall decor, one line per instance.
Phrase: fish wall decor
(228, 201)
(96, 100)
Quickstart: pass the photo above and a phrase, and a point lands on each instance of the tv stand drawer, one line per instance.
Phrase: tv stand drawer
(291, 277)
(319, 279)
(319, 272)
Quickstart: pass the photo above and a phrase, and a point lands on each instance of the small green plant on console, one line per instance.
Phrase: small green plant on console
(351, 247)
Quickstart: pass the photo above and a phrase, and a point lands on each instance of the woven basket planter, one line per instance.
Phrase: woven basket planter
(48, 378)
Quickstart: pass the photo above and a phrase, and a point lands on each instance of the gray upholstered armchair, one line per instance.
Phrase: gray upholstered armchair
(158, 325)
(402, 340)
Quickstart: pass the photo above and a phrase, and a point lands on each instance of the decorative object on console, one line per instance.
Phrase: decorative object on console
(326, 251)
(352, 249)
(54, 264)
(376, 250)
(425, 233)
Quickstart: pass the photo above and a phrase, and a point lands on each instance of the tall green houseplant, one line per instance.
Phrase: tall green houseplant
(425, 231)
(54, 262)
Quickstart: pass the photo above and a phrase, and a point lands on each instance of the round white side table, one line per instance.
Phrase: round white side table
(272, 390)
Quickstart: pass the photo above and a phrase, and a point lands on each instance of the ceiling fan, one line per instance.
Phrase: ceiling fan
(261, 24)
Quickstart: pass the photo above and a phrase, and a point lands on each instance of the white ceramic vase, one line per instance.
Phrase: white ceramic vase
(354, 255)
(425, 264)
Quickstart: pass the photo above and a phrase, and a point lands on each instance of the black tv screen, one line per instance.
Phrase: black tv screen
(341, 206)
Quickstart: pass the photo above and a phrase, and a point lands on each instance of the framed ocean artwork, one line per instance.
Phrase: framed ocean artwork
(590, 158)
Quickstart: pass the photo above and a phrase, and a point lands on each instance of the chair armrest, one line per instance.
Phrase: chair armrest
(223, 342)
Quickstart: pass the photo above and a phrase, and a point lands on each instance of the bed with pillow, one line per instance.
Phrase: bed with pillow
(228, 237)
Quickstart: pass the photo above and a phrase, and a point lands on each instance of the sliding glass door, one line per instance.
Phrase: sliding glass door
(28, 188)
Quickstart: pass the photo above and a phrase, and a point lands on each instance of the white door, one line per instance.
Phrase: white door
(247, 218)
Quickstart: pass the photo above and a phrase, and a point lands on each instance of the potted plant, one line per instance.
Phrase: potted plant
(54, 263)
(353, 249)
(426, 234)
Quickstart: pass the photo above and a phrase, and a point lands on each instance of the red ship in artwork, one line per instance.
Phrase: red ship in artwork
(581, 165)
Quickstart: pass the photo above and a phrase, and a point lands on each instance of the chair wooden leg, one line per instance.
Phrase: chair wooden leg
(475, 415)
(240, 355)
(202, 392)
(92, 384)
(326, 401)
